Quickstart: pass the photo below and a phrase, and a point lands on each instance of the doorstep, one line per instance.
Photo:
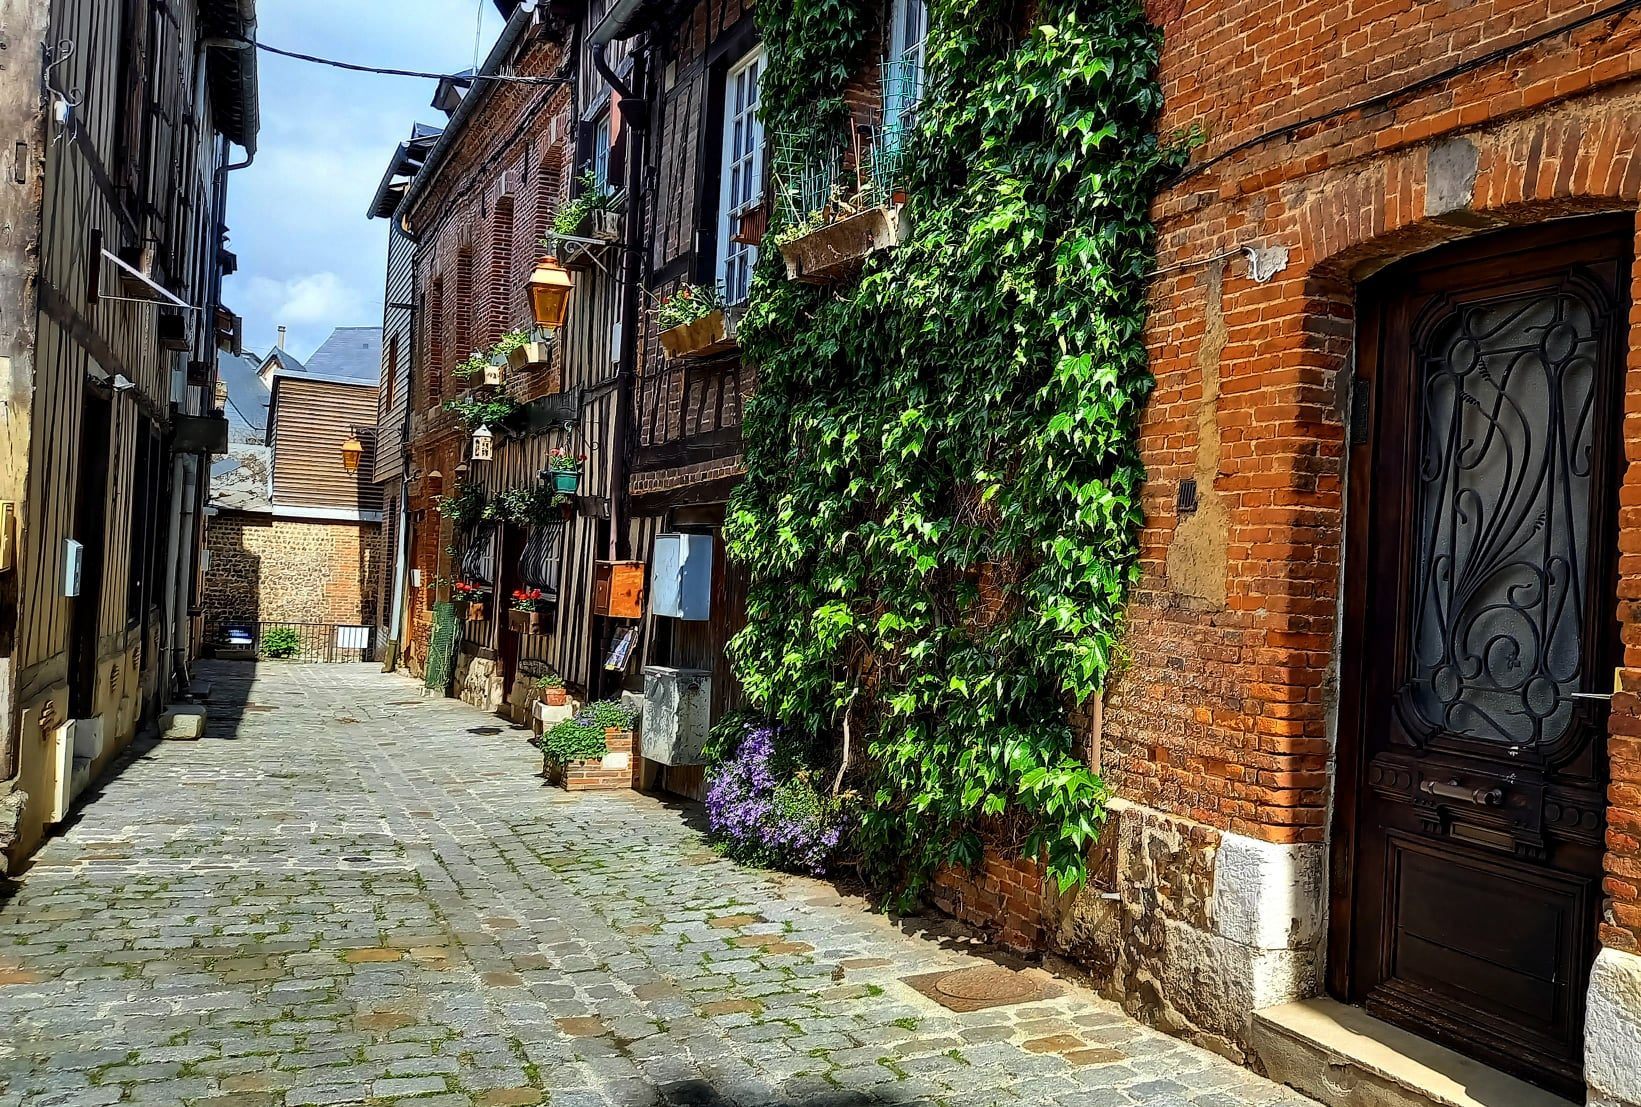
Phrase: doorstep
(1344, 1057)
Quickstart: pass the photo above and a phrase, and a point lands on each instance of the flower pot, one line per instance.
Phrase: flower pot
(836, 250)
(554, 697)
(566, 482)
(527, 622)
(528, 355)
(494, 375)
(703, 337)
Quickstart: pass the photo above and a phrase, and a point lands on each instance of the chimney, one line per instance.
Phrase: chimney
(281, 338)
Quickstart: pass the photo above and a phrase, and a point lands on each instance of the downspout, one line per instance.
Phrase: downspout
(636, 113)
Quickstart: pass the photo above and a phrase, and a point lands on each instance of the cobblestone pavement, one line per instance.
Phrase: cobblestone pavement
(350, 894)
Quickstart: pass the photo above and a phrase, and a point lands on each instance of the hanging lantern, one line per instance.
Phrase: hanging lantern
(550, 288)
(484, 444)
(352, 451)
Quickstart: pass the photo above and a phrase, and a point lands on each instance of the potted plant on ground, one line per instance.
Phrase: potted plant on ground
(522, 349)
(566, 469)
(551, 687)
(529, 612)
(593, 750)
(692, 322)
(281, 643)
(474, 598)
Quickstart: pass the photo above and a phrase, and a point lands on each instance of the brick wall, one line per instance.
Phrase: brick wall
(295, 571)
(1223, 711)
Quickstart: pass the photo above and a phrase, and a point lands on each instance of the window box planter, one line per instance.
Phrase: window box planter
(473, 611)
(528, 622)
(612, 772)
(708, 335)
(603, 226)
(494, 375)
(836, 250)
(529, 356)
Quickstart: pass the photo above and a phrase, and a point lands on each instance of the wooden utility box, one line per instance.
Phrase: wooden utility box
(618, 589)
(8, 536)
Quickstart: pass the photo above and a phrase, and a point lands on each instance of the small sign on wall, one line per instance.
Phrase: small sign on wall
(73, 567)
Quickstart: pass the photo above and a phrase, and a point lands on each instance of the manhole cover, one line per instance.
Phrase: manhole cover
(984, 986)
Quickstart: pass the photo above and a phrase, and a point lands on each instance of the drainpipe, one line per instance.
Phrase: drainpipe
(635, 112)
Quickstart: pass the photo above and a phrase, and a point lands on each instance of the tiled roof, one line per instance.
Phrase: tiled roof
(354, 352)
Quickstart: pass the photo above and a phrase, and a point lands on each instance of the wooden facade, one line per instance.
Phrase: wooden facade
(309, 419)
(123, 140)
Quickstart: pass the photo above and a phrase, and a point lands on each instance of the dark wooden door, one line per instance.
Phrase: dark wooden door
(91, 531)
(1481, 639)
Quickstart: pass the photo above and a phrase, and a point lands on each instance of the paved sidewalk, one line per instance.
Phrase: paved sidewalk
(350, 894)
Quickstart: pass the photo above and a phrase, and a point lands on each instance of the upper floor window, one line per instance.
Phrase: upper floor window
(741, 187)
(601, 152)
(903, 69)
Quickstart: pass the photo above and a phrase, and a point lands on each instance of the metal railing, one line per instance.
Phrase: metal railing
(326, 643)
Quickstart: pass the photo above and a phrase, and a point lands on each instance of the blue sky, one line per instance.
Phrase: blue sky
(308, 257)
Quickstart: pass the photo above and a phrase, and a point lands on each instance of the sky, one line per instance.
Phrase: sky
(308, 257)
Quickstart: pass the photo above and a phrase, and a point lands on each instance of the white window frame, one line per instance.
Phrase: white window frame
(908, 32)
(741, 173)
(601, 152)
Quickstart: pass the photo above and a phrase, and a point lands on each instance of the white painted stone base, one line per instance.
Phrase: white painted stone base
(1612, 1031)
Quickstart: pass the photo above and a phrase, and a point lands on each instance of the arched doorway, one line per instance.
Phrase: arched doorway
(1480, 641)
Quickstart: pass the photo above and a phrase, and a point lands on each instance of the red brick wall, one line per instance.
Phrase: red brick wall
(1003, 898)
(1222, 710)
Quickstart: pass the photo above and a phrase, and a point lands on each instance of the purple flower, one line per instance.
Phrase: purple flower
(766, 816)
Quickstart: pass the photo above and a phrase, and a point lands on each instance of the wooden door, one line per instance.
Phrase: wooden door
(91, 531)
(1481, 639)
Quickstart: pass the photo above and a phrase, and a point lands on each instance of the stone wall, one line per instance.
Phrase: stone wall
(291, 570)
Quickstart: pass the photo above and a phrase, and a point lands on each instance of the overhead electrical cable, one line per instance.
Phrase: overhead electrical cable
(389, 72)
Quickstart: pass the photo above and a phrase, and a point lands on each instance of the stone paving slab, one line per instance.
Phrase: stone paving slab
(349, 894)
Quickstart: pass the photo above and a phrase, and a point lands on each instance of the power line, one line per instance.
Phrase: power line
(387, 72)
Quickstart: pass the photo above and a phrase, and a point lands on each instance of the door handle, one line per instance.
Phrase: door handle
(1604, 697)
(1453, 790)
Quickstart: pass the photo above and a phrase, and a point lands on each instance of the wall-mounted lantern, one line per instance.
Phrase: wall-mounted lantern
(484, 444)
(550, 287)
(352, 451)
(435, 483)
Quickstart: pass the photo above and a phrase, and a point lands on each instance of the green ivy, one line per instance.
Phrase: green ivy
(941, 513)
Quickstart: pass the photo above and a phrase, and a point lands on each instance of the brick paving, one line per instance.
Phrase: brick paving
(349, 894)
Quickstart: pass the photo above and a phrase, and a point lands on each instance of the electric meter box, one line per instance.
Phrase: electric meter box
(681, 577)
(73, 567)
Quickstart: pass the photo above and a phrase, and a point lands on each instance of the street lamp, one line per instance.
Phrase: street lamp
(550, 287)
(352, 451)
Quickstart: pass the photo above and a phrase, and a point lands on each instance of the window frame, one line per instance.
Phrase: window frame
(897, 114)
(735, 260)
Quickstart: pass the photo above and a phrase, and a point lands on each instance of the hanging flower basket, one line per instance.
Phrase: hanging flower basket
(832, 252)
(566, 482)
(708, 335)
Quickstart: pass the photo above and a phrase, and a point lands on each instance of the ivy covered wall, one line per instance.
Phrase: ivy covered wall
(940, 513)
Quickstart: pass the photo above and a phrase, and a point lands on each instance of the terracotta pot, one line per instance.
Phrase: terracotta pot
(554, 697)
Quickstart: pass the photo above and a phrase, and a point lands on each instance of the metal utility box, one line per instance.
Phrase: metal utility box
(681, 576)
(677, 715)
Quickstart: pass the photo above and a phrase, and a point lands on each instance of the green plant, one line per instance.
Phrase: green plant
(942, 474)
(466, 507)
(689, 303)
(483, 411)
(607, 713)
(473, 365)
(589, 199)
(546, 682)
(560, 460)
(281, 643)
(576, 739)
(512, 340)
(529, 505)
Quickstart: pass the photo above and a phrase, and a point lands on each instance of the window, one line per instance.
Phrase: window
(741, 188)
(601, 152)
(903, 70)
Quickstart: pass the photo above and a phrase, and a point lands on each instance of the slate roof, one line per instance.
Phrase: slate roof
(352, 352)
(247, 404)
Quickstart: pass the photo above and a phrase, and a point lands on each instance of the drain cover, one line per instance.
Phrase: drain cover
(984, 986)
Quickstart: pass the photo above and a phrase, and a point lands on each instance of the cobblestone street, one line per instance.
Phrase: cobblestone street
(349, 894)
